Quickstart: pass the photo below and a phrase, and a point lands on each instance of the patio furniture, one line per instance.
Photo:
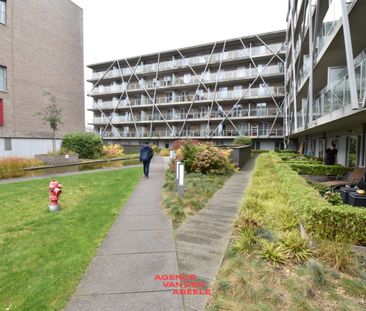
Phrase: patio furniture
(357, 199)
(345, 191)
(353, 178)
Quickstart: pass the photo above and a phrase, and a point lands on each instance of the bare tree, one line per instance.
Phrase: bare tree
(51, 116)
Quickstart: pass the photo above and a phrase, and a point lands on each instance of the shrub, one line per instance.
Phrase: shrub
(210, 159)
(111, 151)
(204, 158)
(333, 198)
(179, 143)
(165, 152)
(155, 148)
(87, 145)
(242, 141)
(296, 246)
(273, 252)
(318, 169)
(320, 217)
(13, 167)
(337, 255)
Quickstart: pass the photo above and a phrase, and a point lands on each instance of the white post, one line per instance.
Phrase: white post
(177, 173)
(172, 154)
(181, 180)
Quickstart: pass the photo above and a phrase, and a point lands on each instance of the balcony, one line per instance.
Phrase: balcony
(182, 81)
(336, 95)
(191, 61)
(219, 95)
(192, 116)
(168, 134)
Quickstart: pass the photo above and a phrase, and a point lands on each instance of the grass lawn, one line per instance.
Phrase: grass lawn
(198, 189)
(43, 255)
(270, 266)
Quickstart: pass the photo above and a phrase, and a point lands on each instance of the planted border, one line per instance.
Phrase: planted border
(321, 218)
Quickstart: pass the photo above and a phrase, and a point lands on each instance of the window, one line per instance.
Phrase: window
(3, 11)
(167, 80)
(168, 97)
(3, 86)
(7, 144)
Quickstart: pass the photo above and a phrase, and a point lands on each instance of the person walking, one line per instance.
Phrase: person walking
(331, 155)
(146, 154)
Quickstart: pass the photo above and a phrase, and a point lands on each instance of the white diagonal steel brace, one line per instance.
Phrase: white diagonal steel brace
(215, 89)
(199, 84)
(154, 97)
(157, 108)
(127, 95)
(266, 85)
(100, 79)
(119, 100)
(274, 53)
(203, 84)
(101, 110)
(260, 75)
(243, 94)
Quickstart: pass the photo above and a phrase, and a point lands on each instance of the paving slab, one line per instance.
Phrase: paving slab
(202, 240)
(147, 241)
(139, 246)
(157, 301)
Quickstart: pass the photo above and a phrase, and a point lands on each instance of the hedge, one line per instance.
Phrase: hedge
(87, 145)
(313, 168)
(324, 220)
(242, 141)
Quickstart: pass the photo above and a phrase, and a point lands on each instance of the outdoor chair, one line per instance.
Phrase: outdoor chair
(352, 178)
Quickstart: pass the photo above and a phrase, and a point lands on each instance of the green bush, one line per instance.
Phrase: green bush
(334, 222)
(317, 169)
(242, 141)
(205, 158)
(87, 145)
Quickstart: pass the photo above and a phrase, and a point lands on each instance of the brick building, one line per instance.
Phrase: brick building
(41, 49)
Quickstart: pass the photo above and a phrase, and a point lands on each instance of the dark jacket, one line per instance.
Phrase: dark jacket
(146, 153)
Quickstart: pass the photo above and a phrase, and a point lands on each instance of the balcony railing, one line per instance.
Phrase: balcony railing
(192, 61)
(179, 81)
(336, 95)
(173, 116)
(196, 134)
(219, 95)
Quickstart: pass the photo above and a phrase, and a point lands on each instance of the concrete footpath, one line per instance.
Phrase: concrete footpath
(139, 246)
(202, 240)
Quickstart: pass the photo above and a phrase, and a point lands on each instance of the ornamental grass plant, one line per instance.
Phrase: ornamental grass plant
(14, 167)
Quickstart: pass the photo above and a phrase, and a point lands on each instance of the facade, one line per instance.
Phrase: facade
(41, 50)
(214, 92)
(325, 78)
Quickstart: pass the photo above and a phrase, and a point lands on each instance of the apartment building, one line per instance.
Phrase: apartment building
(325, 78)
(41, 50)
(214, 91)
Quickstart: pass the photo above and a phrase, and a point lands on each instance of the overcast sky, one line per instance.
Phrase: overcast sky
(115, 29)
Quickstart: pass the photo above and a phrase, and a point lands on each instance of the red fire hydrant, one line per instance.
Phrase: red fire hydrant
(55, 190)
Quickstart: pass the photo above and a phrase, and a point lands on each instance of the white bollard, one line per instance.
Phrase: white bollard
(181, 180)
(172, 154)
(177, 173)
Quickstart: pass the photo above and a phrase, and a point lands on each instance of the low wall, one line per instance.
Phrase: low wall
(241, 155)
(57, 160)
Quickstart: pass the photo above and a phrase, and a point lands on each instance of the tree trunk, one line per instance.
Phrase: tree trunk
(53, 143)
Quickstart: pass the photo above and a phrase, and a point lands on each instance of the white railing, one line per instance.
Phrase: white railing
(192, 61)
(178, 81)
(197, 134)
